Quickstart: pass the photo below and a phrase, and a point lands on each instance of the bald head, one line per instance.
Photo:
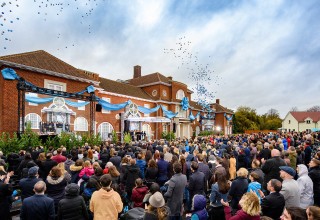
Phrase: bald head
(275, 153)
(39, 187)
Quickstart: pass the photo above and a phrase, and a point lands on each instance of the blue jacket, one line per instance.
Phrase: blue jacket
(37, 207)
(142, 165)
(254, 187)
(216, 196)
(199, 208)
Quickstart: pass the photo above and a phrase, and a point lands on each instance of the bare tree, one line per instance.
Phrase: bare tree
(315, 108)
(294, 109)
(273, 113)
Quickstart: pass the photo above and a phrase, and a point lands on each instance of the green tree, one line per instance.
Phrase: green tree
(246, 118)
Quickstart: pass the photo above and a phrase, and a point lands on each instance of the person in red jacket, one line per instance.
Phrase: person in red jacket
(138, 193)
(250, 208)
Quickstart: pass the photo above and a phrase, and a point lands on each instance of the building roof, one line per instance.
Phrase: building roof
(123, 88)
(43, 60)
(195, 105)
(219, 108)
(301, 116)
(150, 79)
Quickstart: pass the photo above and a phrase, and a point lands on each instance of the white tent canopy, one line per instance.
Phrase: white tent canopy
(150, 119)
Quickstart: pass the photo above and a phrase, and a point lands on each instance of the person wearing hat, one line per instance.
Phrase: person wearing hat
(72, 207)
(156, 209)
(314, 174)
(27, 184)
(290, 188)
(306, 186)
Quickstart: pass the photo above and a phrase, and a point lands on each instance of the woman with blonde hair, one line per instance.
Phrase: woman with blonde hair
(250, 208)
(64, 172)
(156, 209)
(238, 187)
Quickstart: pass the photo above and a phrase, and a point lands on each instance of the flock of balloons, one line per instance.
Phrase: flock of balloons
(46, 9)
(201, 74)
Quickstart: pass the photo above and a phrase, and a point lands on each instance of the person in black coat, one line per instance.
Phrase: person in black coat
(38, 206)
(238, 187)
(273, 204)
(151, 172)
(5, 194)
(47, 165)
(132, 173)
(72, 207)
(197, 181)
(314, 174)
(271, 167)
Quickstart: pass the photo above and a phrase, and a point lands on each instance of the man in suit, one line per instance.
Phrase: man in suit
(197, 183)
(38, 206)
(175, 192)
(273, 204)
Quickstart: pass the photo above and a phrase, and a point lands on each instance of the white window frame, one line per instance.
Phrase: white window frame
(181, 112)
(104, 129)
(180, 94)
(35, 120)
(83, 108)
(103, 110)
(55, 85)
(31, 94)
(81, 127)
(146, 106)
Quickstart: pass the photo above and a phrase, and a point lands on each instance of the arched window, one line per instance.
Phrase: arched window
(180, 94)
(80, 124)
(105, 130)
(35, 120)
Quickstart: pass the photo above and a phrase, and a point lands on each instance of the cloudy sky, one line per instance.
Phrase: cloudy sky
(261, 54)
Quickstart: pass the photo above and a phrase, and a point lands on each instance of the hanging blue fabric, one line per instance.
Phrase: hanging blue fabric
(228, 118)
(112, 107)
(185, 103)
(76, 104)
(168, 114)
(89, 89)
(38, 100)
(145, 110)
(9, 74)
(192, 117)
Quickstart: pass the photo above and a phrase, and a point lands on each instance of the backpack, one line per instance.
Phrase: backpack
(132, 214)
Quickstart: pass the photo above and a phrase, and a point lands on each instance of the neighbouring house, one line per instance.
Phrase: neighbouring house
(301, 121)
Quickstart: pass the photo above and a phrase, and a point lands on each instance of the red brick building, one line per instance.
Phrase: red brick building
(44, 70)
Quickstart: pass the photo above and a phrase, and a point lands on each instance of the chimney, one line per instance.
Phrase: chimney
(170, 78)
(218, 101)
(136, 71)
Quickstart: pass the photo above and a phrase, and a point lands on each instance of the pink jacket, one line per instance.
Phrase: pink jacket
(88, 171)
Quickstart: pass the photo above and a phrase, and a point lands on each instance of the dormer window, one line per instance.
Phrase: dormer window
(308, 121)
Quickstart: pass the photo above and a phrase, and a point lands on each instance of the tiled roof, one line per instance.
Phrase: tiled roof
(195, 105)
(43, 60)
(123, 88)
(149, 79)
(301, 116)
(220, 108)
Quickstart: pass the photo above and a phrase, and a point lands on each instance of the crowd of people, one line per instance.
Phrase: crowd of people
(243, 176)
